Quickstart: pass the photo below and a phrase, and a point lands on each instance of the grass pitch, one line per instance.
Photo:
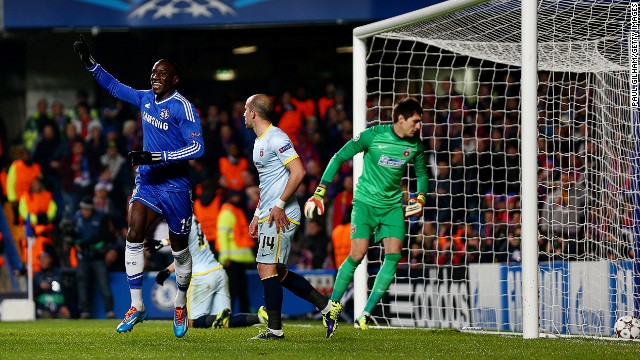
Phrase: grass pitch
(97, 339)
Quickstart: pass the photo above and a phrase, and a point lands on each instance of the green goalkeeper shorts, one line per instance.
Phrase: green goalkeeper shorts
(385, 222)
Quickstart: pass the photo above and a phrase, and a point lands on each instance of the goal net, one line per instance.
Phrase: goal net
(461, 265)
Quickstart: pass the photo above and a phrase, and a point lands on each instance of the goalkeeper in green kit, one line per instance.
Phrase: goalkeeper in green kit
(377, 202)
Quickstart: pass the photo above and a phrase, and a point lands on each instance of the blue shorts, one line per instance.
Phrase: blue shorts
(175, 206)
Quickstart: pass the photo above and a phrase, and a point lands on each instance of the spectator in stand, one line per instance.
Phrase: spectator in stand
(119, 174)
(326, 101)
(85, 121)
(113, 117)
(428, 96)
(312, 177)
(82, 99)
(440, 188)
(313, 143)
(473, 250)
(341, 238)
(69, 137)
(131, 136)
(304, 104)
(95, 145)
(289, 118)
(226, 136)
(45, 155)
(513, 246)
(342, 202)
(457, 191)
(48, 292)
(93, 240)
(34, 124)
(429, 242)
(113, 161)
(103, 203)
(316, 240)
(562, 215)
(77, 171)
(59, 116)
(210, 124)
(232, 167)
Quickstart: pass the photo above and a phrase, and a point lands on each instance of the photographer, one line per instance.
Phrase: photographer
(48, 290)
(93, 241)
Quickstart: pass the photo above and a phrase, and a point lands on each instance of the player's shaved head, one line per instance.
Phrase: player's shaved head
(261, 104)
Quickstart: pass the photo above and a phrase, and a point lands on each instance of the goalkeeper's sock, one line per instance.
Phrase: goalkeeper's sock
(303, 289)
(383, 280)
(134, 265)
(344, 277)
(273, 301)
(182, 263)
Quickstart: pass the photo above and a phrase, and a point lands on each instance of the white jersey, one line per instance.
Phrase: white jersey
(271, 152)
(203, 260)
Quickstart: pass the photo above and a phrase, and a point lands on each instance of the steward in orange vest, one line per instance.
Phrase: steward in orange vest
(232, 168)
(21, 173)
(38, 207)
(206, 208)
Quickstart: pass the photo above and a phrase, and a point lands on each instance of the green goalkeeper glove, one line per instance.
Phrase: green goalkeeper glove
(414, 206)
(315, 203)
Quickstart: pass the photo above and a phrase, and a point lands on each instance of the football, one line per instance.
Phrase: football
(627, 327)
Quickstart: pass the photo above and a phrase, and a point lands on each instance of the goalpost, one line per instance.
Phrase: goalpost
(532, 140)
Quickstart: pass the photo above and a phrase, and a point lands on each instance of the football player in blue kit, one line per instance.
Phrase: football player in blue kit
(172, 136)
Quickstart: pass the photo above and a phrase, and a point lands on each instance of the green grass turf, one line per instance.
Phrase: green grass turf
(97, 339)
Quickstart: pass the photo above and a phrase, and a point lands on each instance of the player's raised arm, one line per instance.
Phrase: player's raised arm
(106, 80)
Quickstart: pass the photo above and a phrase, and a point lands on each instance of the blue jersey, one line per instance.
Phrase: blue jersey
(271, 152)
(171, 127)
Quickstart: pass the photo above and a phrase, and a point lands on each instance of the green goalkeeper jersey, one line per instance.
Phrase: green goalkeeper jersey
(386, 157)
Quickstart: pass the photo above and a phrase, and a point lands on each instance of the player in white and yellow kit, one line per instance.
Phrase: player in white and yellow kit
(277, 216)
(208, 299)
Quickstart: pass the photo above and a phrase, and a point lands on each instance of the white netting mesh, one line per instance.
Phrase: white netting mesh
(581, 36)
(461, 267)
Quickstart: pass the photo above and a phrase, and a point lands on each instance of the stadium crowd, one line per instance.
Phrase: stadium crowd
(71, 160)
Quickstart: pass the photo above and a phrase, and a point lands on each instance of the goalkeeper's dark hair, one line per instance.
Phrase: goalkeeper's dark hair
(262, 104)
(406, 107)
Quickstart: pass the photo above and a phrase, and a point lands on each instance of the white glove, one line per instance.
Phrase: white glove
(315, 203)
(414, 206)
